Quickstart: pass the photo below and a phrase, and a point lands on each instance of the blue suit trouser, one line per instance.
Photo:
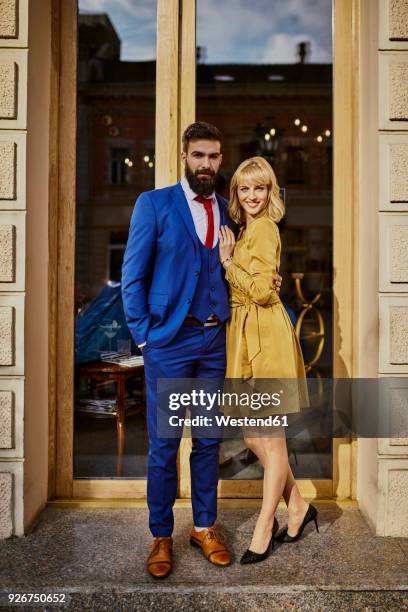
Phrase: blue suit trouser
(195, 352)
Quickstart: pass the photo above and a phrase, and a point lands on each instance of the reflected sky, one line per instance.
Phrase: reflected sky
(232, 31)
(134, 22)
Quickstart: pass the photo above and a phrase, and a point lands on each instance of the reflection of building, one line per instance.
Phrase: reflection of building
(254, 105)
(116, 115)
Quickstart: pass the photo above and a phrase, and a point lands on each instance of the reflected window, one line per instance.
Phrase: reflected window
(296, 166)
(120, 166)
(117, 248)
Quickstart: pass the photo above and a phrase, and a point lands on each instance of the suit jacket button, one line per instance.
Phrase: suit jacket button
(196, 273)
(189, 301)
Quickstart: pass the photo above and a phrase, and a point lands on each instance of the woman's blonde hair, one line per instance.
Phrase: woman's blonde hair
(259, 171)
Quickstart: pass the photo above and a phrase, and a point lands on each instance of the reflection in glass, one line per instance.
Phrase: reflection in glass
(266, 82)
(115, 163)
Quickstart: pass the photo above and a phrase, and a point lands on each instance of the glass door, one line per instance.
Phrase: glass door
(267, 81)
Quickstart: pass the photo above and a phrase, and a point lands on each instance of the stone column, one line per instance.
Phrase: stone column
(383, 256)
(13, 126)
(392, 517)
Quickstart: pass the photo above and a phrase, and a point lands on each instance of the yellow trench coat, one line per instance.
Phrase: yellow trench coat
(261, 340)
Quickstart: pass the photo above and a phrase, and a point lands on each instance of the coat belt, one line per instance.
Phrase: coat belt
(250, 325)
(250, 329)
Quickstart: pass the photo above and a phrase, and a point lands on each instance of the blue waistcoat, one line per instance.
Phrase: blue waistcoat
(211, 294)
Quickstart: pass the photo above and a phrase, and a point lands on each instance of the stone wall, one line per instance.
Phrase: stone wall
(388, 464)
(13, 132)
(392, 134)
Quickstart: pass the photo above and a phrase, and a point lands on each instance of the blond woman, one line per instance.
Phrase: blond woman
(261, 341)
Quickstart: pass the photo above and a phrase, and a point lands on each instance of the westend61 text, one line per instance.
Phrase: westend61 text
(201, 398)
(228, 421)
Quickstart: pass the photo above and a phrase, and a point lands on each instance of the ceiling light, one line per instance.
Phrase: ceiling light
(226, 78)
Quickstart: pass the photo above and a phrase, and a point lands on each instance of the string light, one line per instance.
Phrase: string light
(267, 136)
(272, 132)
(146, 158)
(305, 128)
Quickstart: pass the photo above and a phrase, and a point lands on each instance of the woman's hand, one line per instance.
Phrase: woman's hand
(278, 283)
(226, 244)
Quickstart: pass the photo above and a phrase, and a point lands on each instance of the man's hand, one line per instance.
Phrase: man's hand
(278, 283)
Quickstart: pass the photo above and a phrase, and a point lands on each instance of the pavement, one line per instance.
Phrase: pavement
(96, 557)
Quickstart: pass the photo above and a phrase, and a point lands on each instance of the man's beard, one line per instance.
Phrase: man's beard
(204, 187)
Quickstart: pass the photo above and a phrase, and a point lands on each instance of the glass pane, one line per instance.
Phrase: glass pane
(115, 163)
(266, 82)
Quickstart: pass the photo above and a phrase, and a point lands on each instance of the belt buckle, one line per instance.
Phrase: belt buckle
(214, 323)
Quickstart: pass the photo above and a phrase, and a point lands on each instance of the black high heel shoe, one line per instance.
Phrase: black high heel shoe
(250, 556)
(311, 515)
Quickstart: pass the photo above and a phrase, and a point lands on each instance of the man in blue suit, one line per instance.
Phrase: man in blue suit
(176, 305)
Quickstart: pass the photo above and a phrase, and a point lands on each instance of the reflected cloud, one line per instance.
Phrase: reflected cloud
(282, 49)
(134, 21)
(232, 31)
(264, 31)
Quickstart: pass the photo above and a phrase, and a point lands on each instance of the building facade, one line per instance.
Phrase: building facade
(38, 172)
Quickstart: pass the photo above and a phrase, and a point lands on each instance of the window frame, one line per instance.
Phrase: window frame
(175, 108)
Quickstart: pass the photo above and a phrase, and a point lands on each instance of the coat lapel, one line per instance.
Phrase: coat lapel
(223, 215)
(183, 209)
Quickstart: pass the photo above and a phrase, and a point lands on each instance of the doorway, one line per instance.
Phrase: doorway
(123, 148)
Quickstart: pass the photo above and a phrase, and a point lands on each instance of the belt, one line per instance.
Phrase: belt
(193, 322)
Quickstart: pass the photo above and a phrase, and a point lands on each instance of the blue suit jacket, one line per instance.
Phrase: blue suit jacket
(161, 265)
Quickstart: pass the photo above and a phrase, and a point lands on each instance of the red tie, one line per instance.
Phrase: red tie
(207, 202)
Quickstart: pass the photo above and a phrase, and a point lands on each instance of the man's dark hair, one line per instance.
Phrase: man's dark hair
(200, 130)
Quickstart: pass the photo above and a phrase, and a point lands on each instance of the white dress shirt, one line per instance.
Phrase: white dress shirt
(199, 213)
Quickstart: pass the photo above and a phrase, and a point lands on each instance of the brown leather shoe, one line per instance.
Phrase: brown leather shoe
(212, 545)
(159, 563)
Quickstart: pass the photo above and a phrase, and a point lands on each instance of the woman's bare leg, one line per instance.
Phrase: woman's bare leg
(295, 503)
(297, 506)
(275, 461)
